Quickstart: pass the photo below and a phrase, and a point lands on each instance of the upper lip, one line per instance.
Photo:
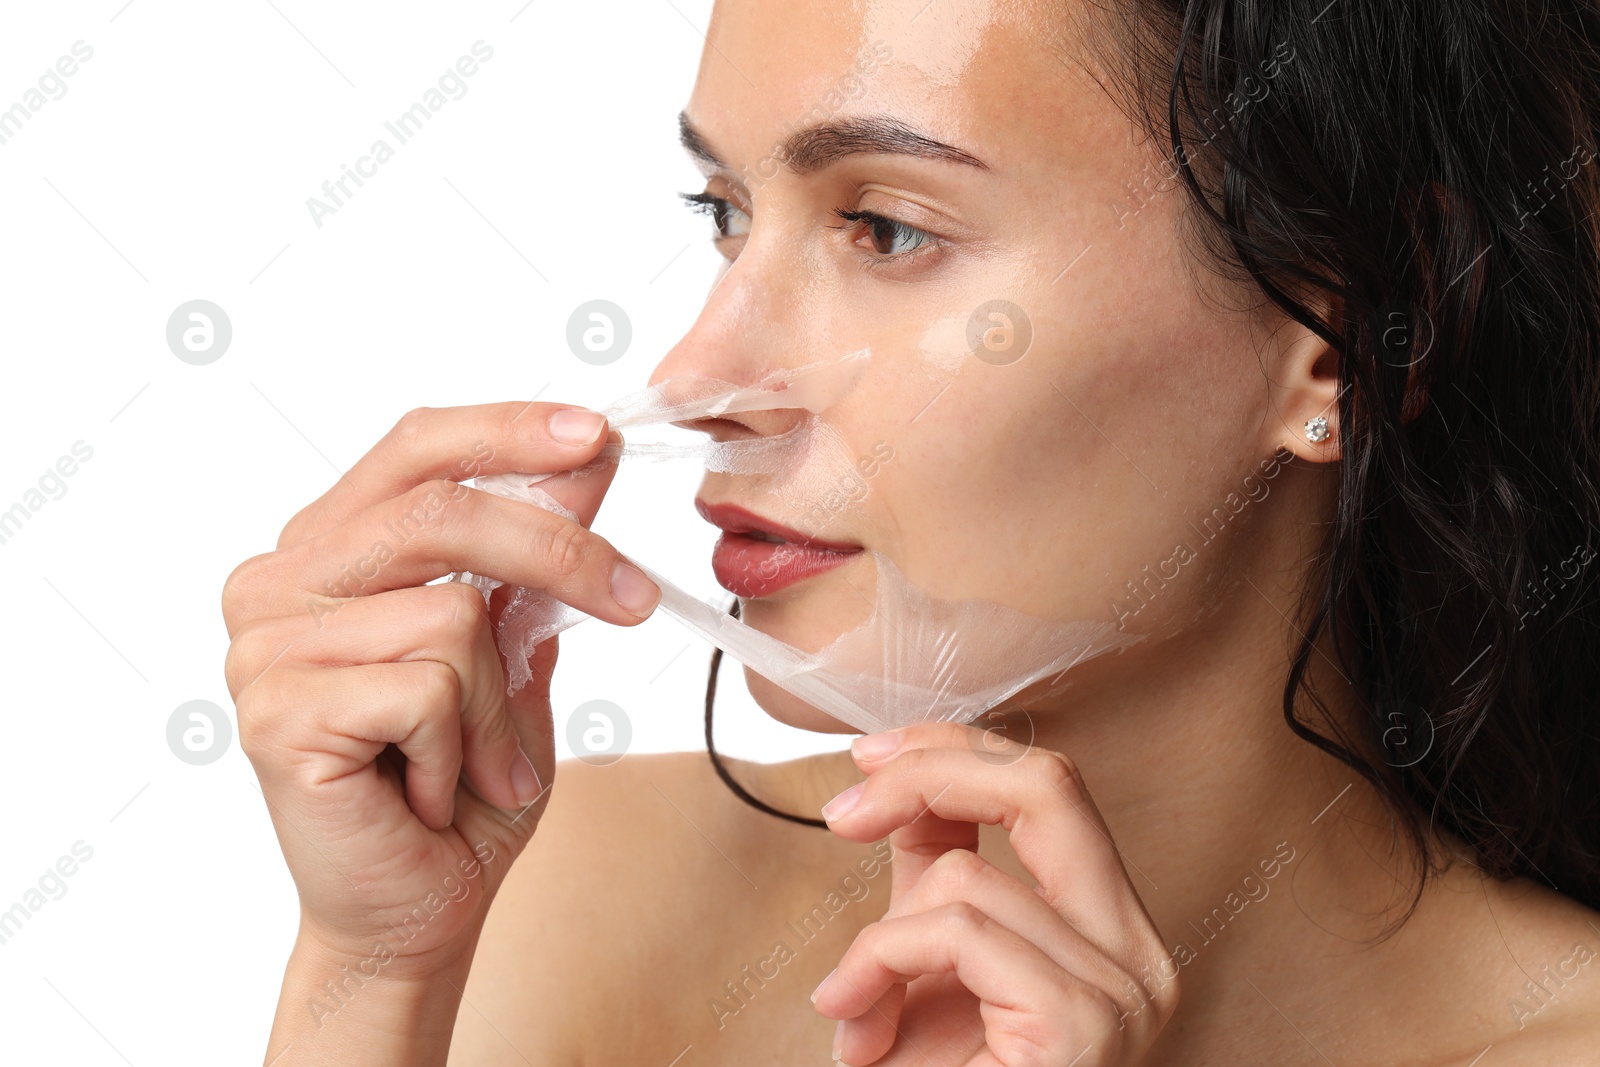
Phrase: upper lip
(737, 520)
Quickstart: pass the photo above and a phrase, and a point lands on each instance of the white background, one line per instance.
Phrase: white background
(177, 167)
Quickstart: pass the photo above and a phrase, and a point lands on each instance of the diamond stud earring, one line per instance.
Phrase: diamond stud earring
(1317, 430)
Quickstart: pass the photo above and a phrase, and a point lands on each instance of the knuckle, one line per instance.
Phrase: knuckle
(253, 730)
(454, 611)
(1059, 773)
(911, 762)
(1169, 989)
(234, 672)
(455, 621)
(426, 510)
(293, 530)
(959, 735)
(932, 737)
(868, 945)
(513, 420)
(412, 429)
(239, 663)
(254, 650)
(564, 546)
(961, 917)
(923, 734)
(957, 871)
(435, 495)
(240, 588)
(262, 716)
(437, 688)
(468, 611)
(250, 741)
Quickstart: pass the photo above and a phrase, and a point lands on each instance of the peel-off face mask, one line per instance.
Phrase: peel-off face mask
(915, 658)
(530, 615)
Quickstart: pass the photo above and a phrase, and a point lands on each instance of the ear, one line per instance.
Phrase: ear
(1303, 380)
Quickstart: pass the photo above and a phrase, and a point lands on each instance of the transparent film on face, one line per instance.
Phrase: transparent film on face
(914, 658)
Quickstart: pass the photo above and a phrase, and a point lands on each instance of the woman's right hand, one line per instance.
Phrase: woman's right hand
(340, 650)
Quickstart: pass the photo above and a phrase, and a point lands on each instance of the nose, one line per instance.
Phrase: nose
(750, 326)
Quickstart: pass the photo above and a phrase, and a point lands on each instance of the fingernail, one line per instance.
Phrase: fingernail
(838, 1041)
(524, 780)
(574, 426)
(633, 590)
(822, 983)
(842, 803)
(875, 746)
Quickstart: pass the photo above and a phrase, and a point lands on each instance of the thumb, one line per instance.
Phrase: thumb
(581, 490)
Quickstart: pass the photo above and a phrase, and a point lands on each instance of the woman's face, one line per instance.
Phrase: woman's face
(1063, 393)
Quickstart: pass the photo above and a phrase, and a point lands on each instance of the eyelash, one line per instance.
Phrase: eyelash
(714, 207)
(717, 207)
(901, 231)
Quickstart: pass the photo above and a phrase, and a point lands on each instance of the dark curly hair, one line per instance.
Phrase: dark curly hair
(1417, 183)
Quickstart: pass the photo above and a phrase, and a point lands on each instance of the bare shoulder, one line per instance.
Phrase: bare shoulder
(640, 875)
(1546, 967)
(1568, 1039)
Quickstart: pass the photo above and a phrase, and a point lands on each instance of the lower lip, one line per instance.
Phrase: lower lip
(748, 567)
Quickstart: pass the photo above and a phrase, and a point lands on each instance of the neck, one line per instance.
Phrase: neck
(1251, 848)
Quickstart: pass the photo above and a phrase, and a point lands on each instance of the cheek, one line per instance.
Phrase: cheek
(1050, 482)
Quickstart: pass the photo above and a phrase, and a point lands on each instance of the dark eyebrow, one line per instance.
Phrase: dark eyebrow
(817, 146)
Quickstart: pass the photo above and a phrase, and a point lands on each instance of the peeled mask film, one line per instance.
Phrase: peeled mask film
(914, 659)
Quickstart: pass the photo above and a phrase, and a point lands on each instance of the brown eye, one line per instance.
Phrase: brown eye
(890, 237)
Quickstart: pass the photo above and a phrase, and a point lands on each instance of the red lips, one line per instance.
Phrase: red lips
(756, 557)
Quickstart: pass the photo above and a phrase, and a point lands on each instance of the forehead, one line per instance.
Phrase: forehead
(1005, 81)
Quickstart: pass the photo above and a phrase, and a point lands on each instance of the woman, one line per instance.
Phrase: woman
(1269, 332)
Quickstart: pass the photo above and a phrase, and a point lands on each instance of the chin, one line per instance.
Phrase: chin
(807, 617)
(790, 710)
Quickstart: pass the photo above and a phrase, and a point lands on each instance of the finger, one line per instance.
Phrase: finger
(923, 840)
(447, 623)
(960, 875)
(919, 844)
(581, 490)
(1029, 1003)
(880, 1026)
(433, 530)
(354, 713)
(1040, 799)
(454, 443)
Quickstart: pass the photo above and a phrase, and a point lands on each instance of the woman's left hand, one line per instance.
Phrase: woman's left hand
(969, 966)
